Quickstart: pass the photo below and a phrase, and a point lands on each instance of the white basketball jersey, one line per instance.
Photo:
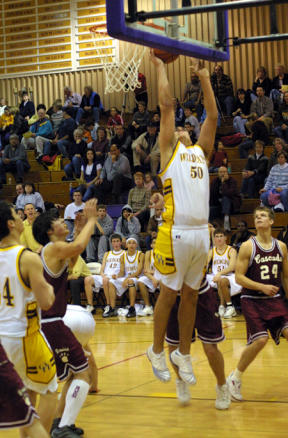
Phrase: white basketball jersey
(131, 262)
(186, 187)
(112, 265)
(220, 261)
(19, 312)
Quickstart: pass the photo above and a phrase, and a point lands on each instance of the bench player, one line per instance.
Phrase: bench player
(261, 268)
(148, 282)
(183, 239)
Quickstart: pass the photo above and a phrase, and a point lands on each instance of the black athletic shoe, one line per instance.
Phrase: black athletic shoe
(73, 427)
(64, 432)
(131, 312)
(77, 430)
(55, 424)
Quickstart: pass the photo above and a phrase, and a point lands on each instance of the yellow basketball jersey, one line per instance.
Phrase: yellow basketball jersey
(19, 312)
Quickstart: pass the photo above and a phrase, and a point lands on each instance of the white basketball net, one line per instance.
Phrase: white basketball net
(120, 75)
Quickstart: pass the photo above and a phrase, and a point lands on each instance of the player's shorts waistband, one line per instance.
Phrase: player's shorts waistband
(190, 227)
(57, 318)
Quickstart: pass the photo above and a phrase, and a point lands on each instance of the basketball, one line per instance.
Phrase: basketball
(165, 56)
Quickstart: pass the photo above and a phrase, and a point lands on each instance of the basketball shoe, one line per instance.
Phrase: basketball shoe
(184, 365)
(234, 386)
(159, 365)
(183, 392)
(223, 398)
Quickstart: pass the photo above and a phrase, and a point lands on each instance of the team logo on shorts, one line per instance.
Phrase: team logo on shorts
(63, 353)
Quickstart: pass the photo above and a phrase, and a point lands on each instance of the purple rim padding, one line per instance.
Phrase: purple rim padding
(117, 28)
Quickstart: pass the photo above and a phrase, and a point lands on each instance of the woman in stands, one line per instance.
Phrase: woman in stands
(90, 172)
(275, 193)
(30, 196)
(279, 146)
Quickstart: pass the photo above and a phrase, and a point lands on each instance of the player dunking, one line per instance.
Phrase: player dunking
(183, 239)
(70, 359)
(262, 263)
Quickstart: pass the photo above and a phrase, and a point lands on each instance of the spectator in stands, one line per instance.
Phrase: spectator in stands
(261, 110)
(115, 177)
(101, 145)
(90, 106)
(278, 81)
(255, 172)
(140, 120)
(153, 225)
(90, 132)
(242, 234)
(189, 118)
(123, 140)
(56, 116)
(76, 152)
(99, 242)
(14, 160)
(21, 213)
(71, 210)
(179, 113)
(148, 181)
(218, 158)
(156, 119)
(72, 100)
(52, 108)
(275, 191)
(27, 239)
(224, 197)
(279, 146)
(114, 119)
(191, 131)
(19, 191)
(128, 225)
(64, 135)
(6, 122)
(192, 92)
(282, 130)
(262, 80)
(30, 196)
(26, 107)
(241, 111)
(140, 93)
(3, 104)
(139, 199)
(39, 132)
(223, 90)
(146, 151)
(76, 276)
(20, 124)
(90, 172)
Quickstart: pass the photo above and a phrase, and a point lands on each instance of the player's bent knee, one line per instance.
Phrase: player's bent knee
(224, 282)
(261, 342)
(211, 350)
(84, 375)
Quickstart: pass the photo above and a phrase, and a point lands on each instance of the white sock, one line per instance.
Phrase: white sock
(75, 398)
(237, 374)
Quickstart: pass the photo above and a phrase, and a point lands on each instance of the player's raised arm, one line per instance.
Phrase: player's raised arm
(167, 121)
(208, 129)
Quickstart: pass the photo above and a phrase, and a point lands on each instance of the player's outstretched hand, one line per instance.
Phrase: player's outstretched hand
(269, 289)
(90, 210)
(156, 201)
(156, 61)
(197, 66)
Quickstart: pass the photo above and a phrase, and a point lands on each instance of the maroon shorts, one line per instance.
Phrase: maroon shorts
(16, 409)
(262, 315)
(208, 323)
(68, 352)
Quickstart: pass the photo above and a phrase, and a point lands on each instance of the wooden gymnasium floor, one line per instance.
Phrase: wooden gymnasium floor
(133, 403)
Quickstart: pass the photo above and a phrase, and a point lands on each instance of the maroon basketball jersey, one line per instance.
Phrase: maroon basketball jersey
(265, 266)
(59, 283)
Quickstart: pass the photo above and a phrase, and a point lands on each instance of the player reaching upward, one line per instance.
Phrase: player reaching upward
(261, 267)
(183, 239)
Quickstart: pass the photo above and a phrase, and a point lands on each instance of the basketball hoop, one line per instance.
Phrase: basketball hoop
(119, 75)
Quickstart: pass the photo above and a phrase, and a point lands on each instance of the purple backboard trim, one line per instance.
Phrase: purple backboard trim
(117, 28)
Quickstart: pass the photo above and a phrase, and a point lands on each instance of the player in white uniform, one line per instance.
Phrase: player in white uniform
(223, 259)
(183, 239)
(110, 268)
(132, 261)
(23, 291)
(147, 282)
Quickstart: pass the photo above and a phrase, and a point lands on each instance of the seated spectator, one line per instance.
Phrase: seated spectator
(128, 225)
(64, 135)
(132, 262)
(100, 145)
(123, 140)
(279, 146)
(275, 191)
(223, 90)
(224, 197)
(179, 112)
(6, 122)
(115, 177)
(3, 104)
(27, 238)
(72, 100)
(99, 242)
(148, 181)
(90, 105)
(189, 118)
(241, 111)
(192, 92)
(140, 121)
(114, 119)
(26, 107)
(56, 116)
(223, 260)
(140, 93)
(153, 224)
(261, 110)
(90, 132)
(191, 131)
(77, 275)
(110, 268)
(282, 130)
(242, 234)
(76, 152)
(278, 81)
(14, 160)
(146, 151)
(19, 191)
(218, 158)
(52, 108)
(255, 172)
(20, 124)
(258, 132)
(90, 173)
(71, 210)
(139, 199)
(148, 283)
(30, 196)
(262, 80)
(21, 213)
(39, 132)
(156, 119)
(204, 115)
